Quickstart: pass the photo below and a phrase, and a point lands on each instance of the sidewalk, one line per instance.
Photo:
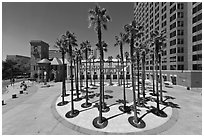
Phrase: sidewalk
(35, 115)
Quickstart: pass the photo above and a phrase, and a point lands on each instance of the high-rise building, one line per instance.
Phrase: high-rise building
(182, 24)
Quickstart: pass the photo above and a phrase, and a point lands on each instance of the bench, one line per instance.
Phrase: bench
(14, 96)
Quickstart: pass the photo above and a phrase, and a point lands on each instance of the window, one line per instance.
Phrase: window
(164, 9)
(173, 17)
(164, 16)
(147, 68)
(180, 41)
(164, 24)
(157, 16)
(197, 47)
(164, 60)
(171, 3)
(180, 32)
(197, 66)
(157, 22)
(173, 9)
(157, 28)
(197, 18)
(180, 58)
(172, 67)
(180, 23)
(172, 25)
(172, 34)
(164, 67)
(151, 21)
(180, 5)
(197, 37)
(173, 42)
(164, 53)
(197, 57)
(180, 67)
(197, 28)
(173, 51)
(180, 50)
(180, 14)
(157, 9)
(197, 8)
(151, 27)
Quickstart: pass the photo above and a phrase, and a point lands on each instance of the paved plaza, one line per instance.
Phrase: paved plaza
(38, 113)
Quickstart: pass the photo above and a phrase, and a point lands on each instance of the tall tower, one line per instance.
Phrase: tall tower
(39, 51)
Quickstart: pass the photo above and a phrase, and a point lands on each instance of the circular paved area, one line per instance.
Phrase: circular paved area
(117, 120)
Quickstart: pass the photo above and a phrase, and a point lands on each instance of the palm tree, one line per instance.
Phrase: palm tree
(158, 40)
(118, 58)
(144, 51)
(70, 40)
(120, 41)
(94, 69)
(90, 69)
(137, 51)
(98, 19)
(104, 48)
(110, 66)
(76, 62)
(62, 47)
(85, 47)
(134, 32)
(126, 57)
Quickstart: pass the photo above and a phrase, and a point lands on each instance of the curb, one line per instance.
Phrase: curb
(172, 120)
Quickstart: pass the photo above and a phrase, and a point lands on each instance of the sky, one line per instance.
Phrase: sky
(23, 22)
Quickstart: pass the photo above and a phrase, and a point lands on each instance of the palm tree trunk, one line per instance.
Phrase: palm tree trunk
(90, 72)
(160, 73)
(101, 73)
(126, 73)
(103, 98)
(153, 74)
(118, 74)
(94, 72)
(124, 96)
(138, 78)
(143, 75)
(157, 91)
(71, 71)
(86, 80)
(77, 84)
(80, 67)
(63, 80)
(133, 81)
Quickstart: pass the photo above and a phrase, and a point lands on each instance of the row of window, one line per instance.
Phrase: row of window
(197, 47)
(197, 57)
(197, 66)
(197, 8)
(179, 41)
(197, 28)
(179, 24)
(197, 18)
(197, 37)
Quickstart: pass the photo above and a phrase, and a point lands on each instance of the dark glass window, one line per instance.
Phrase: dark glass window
(180, 5)
(180, 58)
(197, 57)
(172, 25)
(197, 18)
(173, 9)
(172, 34)
(173, 51)
(197, 66)
(180, 23)
(197, 28)
(180, 41)
(180, 32)
(197, 8)
(197, 47)
(180, 67)
(173, 17)
(172, 67)
(173, 42)
(197, 37)
(180, 50)
(180, 14)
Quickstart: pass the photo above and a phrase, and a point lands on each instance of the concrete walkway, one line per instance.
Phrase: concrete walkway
(34, 115)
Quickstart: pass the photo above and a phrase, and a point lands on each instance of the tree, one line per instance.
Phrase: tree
(158, 40)
(85, 47)
(144, 51)
(104, 48)
(127, 58)
(110, 66)
(76, 64)
(98, 19)
(134, 32)
(120, 41)
(118, 58)
(62, 47)
(70, 40)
